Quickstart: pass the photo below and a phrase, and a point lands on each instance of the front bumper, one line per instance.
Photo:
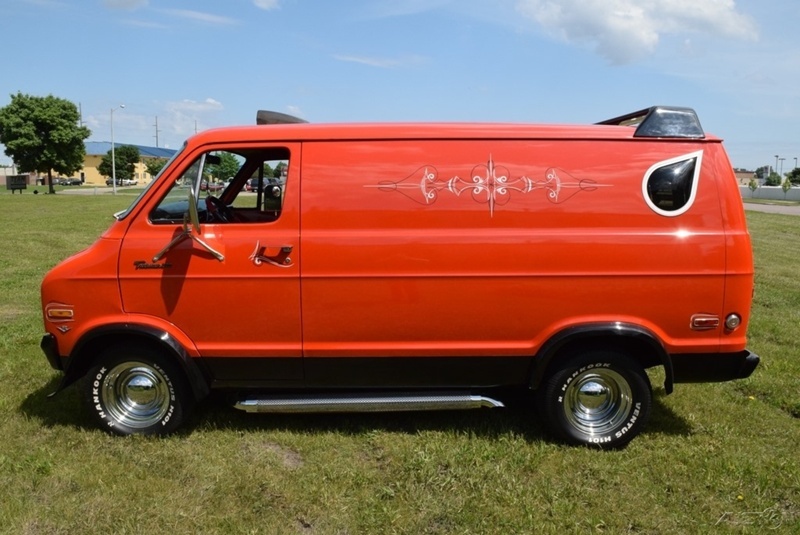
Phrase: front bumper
(49, 346)
(713, 367)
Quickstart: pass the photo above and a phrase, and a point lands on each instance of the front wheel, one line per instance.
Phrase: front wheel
(599, 398)
(136, 391)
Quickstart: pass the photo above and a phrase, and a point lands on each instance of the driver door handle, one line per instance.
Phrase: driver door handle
(281, 259)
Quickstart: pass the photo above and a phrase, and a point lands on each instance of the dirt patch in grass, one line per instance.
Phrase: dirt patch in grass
(9, 313)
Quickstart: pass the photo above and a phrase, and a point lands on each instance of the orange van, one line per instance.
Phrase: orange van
(415, 266)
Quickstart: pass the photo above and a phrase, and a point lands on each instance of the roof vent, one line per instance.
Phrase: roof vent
(274, 117)
(662, 121)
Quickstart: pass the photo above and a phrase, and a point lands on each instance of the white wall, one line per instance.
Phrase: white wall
(773, 193)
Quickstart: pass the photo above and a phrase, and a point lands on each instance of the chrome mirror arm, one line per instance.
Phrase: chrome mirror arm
(189, 232)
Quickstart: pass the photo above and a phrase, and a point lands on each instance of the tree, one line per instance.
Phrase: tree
(763, 172)
(279, 169)
(774, 179)
(226, 168)
(753, 185)
(155, 165)
(125, 159)
(42, 135)
(786, 186)
(794, 176)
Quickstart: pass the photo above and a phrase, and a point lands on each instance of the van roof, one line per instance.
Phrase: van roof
(398, 131)
(663, 122)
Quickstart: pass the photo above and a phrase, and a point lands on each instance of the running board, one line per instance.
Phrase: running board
(366, 403)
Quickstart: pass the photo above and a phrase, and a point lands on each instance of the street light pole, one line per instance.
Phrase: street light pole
(776, 163)
(781, 174)
(113, 158)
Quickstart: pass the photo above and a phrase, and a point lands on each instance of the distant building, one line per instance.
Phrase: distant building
(95, 150)
(744, 176)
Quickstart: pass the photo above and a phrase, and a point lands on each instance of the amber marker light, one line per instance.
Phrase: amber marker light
(59, 313)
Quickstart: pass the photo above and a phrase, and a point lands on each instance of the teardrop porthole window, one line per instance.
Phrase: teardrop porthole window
(669, 187)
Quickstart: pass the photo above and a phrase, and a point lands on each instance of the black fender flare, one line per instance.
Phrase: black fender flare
(624, 335)
(79, 361)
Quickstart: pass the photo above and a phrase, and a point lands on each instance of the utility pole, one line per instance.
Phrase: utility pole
(113, 157)
(157, 131)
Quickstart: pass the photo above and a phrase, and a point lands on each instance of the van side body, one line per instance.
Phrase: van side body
(399, 265)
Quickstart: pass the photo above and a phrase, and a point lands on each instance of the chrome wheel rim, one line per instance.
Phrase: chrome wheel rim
(598, 401)
(136, 395)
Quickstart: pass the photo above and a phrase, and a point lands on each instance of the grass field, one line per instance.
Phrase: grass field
(716, 458)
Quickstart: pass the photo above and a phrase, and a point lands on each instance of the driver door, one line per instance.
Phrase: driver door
(234, 288)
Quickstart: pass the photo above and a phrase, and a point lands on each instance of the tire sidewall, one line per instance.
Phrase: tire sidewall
(554, 400)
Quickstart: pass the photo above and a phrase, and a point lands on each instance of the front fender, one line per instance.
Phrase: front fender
(81, 358)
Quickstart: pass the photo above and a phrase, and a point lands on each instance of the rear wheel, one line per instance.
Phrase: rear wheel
(601, 398)
(137, 391)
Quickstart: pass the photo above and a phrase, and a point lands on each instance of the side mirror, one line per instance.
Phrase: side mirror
(191, 217)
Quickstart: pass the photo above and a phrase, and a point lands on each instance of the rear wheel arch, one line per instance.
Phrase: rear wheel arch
(637, 342)
(94, 344)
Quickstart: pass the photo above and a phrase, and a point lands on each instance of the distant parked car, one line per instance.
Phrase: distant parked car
(129, 182)
(70, 181)
(252, 184)
(110, 181)
(210, 186)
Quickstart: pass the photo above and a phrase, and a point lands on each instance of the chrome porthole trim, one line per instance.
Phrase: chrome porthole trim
(698, 156)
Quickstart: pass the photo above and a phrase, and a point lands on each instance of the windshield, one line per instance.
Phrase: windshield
(123, 214)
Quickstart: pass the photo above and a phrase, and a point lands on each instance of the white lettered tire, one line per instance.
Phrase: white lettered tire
(136, 391)
(599, 398)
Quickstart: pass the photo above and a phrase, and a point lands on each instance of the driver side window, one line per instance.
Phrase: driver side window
(231, 186)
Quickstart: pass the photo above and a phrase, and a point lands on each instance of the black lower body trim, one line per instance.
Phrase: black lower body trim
(377, 372)
(49, 346)
(713, 367)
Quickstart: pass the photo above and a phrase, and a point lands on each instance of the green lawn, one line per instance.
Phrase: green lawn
(751, 200)
(716, 458)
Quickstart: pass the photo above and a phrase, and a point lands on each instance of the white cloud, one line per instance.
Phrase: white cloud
(400, 8)
(47, 3)
(193, 106)
(199, 16)
(267, 4)
(187, 116)
(145, 24)
(623, 31)
(383, 63)
(125, 4)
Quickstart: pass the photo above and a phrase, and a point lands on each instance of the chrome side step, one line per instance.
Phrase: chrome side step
(366, 403)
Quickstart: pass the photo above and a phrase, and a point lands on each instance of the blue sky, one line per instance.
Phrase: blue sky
(202, 63)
